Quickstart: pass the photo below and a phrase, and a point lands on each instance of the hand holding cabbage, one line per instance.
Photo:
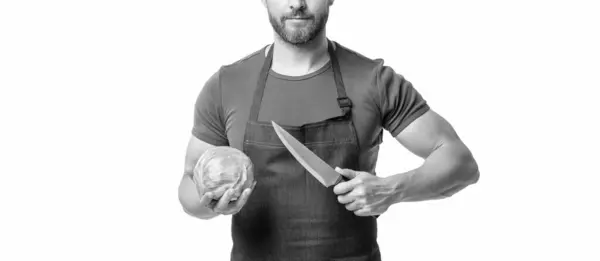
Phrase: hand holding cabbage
(224, 177)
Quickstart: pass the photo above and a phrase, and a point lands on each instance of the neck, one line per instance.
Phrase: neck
(297, 60)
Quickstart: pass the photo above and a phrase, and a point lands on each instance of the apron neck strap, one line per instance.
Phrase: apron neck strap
(344, 102)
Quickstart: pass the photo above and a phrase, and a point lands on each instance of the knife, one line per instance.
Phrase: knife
(310, 161)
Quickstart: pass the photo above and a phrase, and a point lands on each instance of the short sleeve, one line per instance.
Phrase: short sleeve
(209, 122)
(400, 102)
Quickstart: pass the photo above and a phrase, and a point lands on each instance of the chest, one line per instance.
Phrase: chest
(299, 102)
(295, 103)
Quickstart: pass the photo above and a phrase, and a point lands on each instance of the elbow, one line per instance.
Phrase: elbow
(467, 177)
(463, 173)
(464, 167)
(475, 176)
(470, 174)
(195, 214)
(184, 204)
(467, 171)
(203, 216)
(193, 210)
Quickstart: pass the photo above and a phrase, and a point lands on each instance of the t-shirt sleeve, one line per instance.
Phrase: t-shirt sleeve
(400, 102)
(209, 122)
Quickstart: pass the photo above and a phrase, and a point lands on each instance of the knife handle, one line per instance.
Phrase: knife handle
(343, 178)
(340, 179)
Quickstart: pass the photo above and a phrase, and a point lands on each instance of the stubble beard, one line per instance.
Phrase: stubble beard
(301, 36)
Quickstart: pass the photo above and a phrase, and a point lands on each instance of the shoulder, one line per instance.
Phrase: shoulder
(357, 62)
(238, 74)
(371, 73)
(365, 76)
(245, 64)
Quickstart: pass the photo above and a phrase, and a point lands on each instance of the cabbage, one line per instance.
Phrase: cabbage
(221, 168)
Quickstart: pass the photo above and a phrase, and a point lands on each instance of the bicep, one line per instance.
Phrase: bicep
(427, 133)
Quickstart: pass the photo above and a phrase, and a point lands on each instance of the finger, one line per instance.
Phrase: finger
(355, 205)
(245, 195)
(213, 200)
(243, 199)
(348, 173)
(212, 204)
(363, 212)
(235, 196)
(236, 206)
(224, 201)
(345, 199)
(343, 187)
(347, 186)
(359, 191)
(206, 199)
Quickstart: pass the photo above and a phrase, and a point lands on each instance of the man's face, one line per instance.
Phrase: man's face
(298, 22)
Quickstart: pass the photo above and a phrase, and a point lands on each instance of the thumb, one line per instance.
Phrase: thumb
(348, 173)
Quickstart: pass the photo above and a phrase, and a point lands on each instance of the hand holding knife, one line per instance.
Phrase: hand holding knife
(361, 192)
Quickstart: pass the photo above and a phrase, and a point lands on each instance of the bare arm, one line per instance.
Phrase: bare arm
(189, 196)
(449, 165)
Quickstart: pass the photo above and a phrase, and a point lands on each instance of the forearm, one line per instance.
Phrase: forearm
(190, 200)
(447, 170)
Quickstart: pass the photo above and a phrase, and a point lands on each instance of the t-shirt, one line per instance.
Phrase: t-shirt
(382, 100)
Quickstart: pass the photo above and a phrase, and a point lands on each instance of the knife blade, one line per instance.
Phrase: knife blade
(310, 161)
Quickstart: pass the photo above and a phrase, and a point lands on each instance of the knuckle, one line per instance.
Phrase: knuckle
(360, 202)
(361, 191)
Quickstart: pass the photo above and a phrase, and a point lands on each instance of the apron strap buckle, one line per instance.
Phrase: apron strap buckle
(344, 102)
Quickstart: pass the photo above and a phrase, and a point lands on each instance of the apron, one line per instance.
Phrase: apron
(290, 216)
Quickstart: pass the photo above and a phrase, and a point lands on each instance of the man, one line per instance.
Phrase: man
(338, 102)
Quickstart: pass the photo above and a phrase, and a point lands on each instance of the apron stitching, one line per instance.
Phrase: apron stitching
(307, 144)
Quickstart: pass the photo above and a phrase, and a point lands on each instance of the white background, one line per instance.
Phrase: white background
(96, 107)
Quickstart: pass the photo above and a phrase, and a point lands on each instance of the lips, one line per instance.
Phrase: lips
(297, 18)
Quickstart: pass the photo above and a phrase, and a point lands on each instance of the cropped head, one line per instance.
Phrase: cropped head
(298, 22)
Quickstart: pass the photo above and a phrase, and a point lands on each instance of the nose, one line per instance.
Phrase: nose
(297, 4)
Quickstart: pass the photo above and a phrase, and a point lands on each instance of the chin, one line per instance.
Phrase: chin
(299, 36)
